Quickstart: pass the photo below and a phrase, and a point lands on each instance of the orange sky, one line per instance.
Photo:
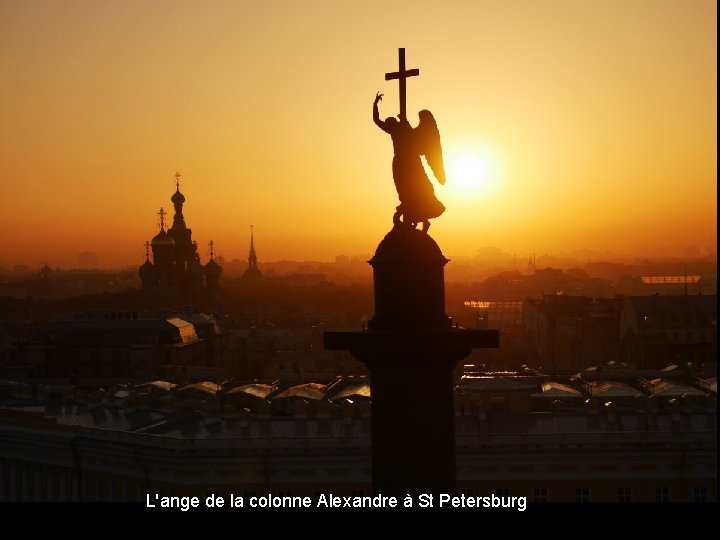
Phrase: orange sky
(593, 124)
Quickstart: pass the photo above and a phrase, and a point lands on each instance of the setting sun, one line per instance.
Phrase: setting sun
(469, 173)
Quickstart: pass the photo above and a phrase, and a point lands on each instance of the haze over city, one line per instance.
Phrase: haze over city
(265, 256)
(565, 125)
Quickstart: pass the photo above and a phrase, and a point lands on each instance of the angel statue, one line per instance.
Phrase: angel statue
(417, 196)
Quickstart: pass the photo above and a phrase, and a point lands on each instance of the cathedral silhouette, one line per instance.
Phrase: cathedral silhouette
(175, 266)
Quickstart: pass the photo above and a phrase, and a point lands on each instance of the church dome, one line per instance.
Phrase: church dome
(162, 239)
(46, 272)
(177, 198)
(146, 271)
(212, 270)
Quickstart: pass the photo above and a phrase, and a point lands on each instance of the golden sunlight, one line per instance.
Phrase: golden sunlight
(469, 174)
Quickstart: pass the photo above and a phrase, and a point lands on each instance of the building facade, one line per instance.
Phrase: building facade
(104, 449)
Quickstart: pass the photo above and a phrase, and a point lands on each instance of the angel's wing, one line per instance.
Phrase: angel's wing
(429, 144)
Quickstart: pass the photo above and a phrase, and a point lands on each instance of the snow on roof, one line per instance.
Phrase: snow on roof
(556, 389)
(157, 385)
(257, 390)
(206, 387)
(308, 390)
(612, 389)
(362, 389)
(666, 387)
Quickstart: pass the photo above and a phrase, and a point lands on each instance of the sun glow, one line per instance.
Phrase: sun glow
(469, 171)
(469, 174)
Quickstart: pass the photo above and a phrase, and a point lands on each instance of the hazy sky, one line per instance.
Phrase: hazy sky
(566, 124)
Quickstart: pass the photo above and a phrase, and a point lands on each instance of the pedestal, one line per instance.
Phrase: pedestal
(410, 348)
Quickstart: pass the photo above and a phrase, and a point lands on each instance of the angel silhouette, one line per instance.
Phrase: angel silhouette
(417, 196)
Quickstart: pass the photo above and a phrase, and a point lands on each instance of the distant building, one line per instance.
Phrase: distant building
(213, 272)
(47, 279)
(657, 330)
(570, 333)
(678, 285)
(120, 346)
(515, 286)
(252, 274)
(58, 283)
(490, 314)
(176, 268)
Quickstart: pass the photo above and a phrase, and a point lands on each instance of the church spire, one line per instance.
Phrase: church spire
(252, 273)
(212, 270)
(178, 199)
(252, 257)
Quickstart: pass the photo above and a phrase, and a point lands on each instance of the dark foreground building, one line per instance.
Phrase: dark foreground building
(546, 441)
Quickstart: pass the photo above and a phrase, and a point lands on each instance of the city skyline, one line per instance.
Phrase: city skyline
(565, 126)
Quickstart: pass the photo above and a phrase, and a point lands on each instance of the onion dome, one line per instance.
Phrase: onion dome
(162, 239)
(212, 270)
(177, 198)
(146, 271)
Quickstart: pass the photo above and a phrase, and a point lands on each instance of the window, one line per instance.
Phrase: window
(540, 495)
(700, 494)
(30, 470)
(624, 494)
(89, 487)
(582, 494)
(60, 475)
(99, 489)
(497, 403)
(662, 494)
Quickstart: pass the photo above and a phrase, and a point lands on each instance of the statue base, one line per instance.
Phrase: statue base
(411, 348)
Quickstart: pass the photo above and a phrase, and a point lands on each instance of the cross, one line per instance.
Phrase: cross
(162, 213)
(402, 74)
(147, 249)
(177, 179)
(212, 245)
